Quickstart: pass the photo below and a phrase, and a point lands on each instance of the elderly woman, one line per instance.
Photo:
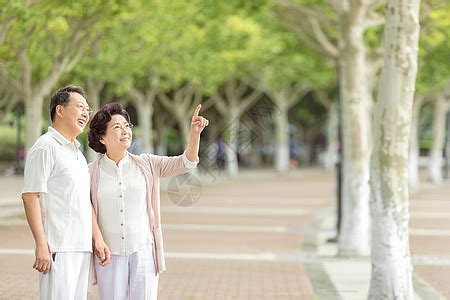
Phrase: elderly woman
(127, 234)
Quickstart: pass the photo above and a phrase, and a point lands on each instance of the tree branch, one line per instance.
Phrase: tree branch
(247, 101)
(303, 11)
(374, 4)
(153, 89)
(374, 21)
(298, 91)
(26, 73)
(136, 95)
(323, 40)
(322, 98)
(12, 83)
(5, 27)
(165, 101)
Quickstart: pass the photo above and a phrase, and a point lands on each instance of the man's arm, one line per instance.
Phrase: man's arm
(43, 261)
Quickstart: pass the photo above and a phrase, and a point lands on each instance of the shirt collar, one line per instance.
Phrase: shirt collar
(111, 163)
(60, 138)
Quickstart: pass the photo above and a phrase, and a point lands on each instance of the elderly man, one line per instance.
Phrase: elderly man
(56, 199)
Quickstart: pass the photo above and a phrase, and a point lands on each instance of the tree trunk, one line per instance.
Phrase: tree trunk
(435, 164)
(391, 262)
(281, 158)
(162, 146)
(237, 98)
(232, 142)
(94, 88)
(33, 118)
(413, 161)
(145, 114)
(145, 102)
(185, 130)
(354, 234)
(331, 154)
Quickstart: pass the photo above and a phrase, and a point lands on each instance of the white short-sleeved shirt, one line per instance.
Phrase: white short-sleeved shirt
(57, 170)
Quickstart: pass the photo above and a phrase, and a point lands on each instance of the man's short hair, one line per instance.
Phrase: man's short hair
(62, 97)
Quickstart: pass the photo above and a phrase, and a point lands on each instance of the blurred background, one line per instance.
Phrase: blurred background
(264, 71)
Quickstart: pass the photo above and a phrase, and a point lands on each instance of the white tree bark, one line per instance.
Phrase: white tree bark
(353, 20)
(354, 234)
(232, 141)
(282, 139)
(331, 154)
(435, 164)
(33, 119)
(161, 147)
(413, 161)
(391, 262)
(145, 101)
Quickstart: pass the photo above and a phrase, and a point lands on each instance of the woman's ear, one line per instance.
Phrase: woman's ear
(102, 141)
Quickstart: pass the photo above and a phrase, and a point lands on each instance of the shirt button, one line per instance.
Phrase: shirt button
(120, 196)
(120, 183)
(121, 210)
(123, 238)
(121, 224)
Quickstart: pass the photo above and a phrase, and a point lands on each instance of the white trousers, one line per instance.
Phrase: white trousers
(68, 277)
(128, 277)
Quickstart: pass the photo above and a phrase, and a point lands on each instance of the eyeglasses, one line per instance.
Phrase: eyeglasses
(82, 108)
(118, 127)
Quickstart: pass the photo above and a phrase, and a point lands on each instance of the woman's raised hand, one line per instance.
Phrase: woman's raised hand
(198, 123)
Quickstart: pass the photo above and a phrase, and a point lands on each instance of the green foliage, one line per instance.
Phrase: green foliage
(434, 70)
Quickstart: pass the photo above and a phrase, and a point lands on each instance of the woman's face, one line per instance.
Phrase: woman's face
(118, 134)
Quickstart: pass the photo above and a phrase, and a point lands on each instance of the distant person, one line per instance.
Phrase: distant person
(127, 234)
(220, 155)
(56, 199)
(294, 153)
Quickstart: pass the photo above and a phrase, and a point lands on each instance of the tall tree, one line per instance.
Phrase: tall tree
(391, 262)
(43, 41)
(316, 25)
(433, 84)
(439, 129)
(288, 77)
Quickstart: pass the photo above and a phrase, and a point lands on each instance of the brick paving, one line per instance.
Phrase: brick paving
(237, 237)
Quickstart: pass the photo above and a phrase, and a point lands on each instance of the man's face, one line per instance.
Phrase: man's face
(76, 113)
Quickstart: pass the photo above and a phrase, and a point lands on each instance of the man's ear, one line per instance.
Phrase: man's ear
(59, 111)
(102, 141)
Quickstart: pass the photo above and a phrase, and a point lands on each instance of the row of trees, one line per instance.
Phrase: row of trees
(170, 55)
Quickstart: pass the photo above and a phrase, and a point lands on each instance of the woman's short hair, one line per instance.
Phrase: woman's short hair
(98, 125)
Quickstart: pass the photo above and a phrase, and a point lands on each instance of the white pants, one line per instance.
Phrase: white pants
(128, 277)
(68, 277)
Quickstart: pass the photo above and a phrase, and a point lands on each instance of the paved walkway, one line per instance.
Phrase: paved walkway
(260, 236)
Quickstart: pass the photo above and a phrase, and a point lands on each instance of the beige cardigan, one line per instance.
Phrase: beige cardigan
(153, 167)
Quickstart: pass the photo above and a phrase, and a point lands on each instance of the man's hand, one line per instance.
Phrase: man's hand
(43, 260)
(102, 252)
